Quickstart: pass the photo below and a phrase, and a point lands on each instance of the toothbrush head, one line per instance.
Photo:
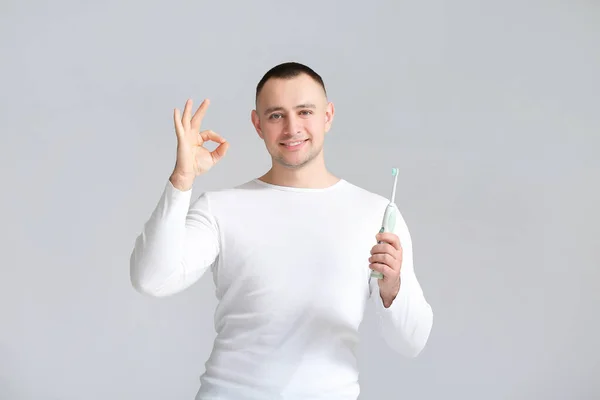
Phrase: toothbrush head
(395, 175)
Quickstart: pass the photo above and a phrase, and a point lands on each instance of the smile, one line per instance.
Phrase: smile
(294, 145)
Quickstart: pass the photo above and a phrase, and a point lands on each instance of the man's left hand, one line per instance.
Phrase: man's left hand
(386, 257)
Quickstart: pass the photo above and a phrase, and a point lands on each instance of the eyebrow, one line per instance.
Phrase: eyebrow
(279, 108)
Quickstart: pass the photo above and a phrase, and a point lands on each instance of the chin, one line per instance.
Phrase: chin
(294, 162)
(291, 164)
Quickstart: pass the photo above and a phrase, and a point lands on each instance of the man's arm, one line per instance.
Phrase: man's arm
(176, 246)
(406, 323)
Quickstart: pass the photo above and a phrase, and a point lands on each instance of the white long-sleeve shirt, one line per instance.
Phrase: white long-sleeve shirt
(292, 278)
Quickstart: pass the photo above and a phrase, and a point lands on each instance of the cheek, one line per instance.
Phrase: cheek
(270, 134)
(316, 129)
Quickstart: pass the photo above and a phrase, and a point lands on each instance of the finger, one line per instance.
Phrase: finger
(196, 121)
(212, 136)
(219, 152)
(384, 248)
(177, 121)
(384, 269)
(187, 113)
(385, 258)
(390, 238)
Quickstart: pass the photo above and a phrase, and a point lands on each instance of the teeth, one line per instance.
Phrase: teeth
(292, 143)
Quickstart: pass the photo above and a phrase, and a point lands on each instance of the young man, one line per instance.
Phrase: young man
(291, 254)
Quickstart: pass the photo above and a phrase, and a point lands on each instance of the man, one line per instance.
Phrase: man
(291, 254)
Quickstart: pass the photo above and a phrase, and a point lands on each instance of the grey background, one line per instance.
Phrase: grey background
(490, 110)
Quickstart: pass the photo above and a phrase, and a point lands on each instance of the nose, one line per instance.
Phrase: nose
(292, 125)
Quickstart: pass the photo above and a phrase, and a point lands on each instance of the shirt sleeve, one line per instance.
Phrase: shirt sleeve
(178, 243)
(407, 322)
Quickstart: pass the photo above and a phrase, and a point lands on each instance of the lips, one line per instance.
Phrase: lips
(293, 145)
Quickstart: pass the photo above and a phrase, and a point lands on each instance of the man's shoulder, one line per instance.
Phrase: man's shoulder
(233, 190)
(365, 195)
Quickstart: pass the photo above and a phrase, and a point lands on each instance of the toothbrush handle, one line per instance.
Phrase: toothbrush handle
(388, 224)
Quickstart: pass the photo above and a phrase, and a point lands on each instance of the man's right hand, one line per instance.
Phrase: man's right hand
(192, 158)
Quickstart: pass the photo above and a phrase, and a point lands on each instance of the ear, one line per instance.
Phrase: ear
(329, 113)
(256, 123)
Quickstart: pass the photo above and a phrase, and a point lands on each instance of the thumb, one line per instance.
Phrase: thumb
(220, 151)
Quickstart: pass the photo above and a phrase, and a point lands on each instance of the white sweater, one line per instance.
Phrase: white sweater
(290, 266)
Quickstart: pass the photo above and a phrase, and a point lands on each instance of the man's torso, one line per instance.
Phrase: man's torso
(292, 280)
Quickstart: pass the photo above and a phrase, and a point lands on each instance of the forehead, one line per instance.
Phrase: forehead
(291, 92)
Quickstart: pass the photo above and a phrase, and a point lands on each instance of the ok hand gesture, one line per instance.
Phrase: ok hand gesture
(193, 158)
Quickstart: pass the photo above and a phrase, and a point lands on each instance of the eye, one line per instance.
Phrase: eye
(274, 116)
(306, 112)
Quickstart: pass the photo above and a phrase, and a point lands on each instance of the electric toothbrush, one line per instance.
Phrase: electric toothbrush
(389, 217)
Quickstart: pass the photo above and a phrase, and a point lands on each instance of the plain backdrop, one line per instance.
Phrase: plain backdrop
(490, 110)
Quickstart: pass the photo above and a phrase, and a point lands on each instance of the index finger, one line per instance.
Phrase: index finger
(212, 135)
(390, 238)
(199, 115)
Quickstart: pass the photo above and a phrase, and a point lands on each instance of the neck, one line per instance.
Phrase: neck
(313, 175)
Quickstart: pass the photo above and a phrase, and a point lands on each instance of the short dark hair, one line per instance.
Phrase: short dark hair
(289, 70)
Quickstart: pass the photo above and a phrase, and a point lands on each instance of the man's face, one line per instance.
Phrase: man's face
(292, 117)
